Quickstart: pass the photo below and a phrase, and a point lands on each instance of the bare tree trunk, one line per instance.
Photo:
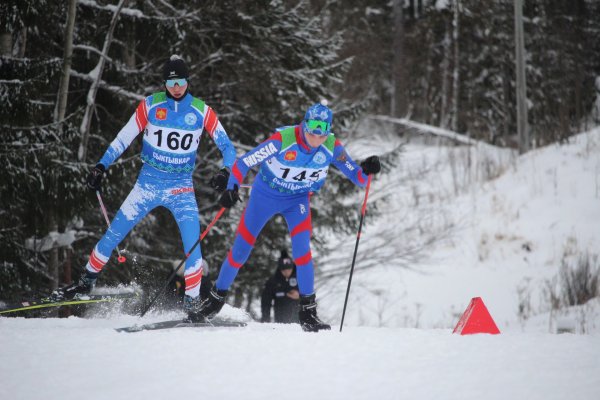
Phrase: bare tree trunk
(53, 259)
(579, 77)
(398, 101)
(129, 48)
(68, 265)
(84, 129)
(21, 42)
(445, 79)
(456, 74)
(522, 128)
(506, 105)
(63, 91)
(6, 43)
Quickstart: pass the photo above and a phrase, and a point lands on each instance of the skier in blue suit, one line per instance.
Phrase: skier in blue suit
(172, 123)
(294, 163)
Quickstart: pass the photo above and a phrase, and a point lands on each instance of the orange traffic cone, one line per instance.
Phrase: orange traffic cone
(476, 319)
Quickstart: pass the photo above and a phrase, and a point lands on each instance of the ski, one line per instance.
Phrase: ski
(77, 300)
(215, 323)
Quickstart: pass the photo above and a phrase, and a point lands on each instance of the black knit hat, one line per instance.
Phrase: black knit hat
(175, 68)
(285, 262)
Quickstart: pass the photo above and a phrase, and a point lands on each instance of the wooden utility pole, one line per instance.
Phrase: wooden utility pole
(63, 91)
(398, 104)
(522, 125)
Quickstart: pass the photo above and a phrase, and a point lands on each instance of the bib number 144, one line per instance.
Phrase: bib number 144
(314, 176)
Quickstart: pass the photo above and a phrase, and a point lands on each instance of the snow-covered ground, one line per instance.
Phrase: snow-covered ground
(76, 358)
(445, 233)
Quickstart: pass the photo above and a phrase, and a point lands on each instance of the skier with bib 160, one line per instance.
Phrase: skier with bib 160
(293, 164)
(172, 123)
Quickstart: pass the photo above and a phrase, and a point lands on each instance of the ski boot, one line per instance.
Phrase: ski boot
(191, 304)
(84, 286)
(208, 307)
(308, 315)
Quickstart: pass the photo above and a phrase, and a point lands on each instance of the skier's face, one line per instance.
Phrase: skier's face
(314, 140)
(178, 90)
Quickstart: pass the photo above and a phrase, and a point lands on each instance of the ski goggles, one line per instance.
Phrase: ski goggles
(314, 125)
(172, 82)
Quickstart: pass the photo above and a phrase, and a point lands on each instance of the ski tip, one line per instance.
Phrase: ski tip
(134, 328)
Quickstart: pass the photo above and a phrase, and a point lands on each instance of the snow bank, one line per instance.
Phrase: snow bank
(74, 358)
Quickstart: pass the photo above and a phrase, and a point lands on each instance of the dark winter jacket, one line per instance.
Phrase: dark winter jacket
(274, 293)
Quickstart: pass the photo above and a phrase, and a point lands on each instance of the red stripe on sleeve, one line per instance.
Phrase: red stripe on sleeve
(141, 115)
(361, 177)
(210, 121)
(275, 136)
(237, 173)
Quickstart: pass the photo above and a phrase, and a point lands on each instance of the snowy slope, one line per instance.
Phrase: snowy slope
(502, 239)
(445, 233)
(76, 358)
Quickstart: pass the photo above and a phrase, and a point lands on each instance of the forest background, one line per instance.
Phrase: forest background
(72, 73)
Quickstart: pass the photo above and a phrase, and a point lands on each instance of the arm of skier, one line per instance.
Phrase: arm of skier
(258, 155)
(134, 126)
(347, 166)
(219, 136)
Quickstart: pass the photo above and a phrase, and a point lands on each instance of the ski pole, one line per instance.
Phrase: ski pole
(362, 217)
(121, 257)
(160, 292)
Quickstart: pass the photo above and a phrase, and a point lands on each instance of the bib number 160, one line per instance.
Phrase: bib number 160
(173, 141)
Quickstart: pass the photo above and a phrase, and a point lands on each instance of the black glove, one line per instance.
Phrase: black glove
(229, 198)
(219, 181)
(94, 178)
(371, 165)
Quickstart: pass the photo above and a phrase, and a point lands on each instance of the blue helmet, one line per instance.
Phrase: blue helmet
(318, 112)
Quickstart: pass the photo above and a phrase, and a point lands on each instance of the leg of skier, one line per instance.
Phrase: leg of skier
(298, 218)
(140, 201)
(184, 208)
(254, 218)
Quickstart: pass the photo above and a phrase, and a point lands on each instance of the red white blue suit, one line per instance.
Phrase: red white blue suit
(171, 134)
(290, 171)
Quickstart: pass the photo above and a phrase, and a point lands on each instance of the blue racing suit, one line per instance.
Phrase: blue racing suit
(290, 172)
(172, 131)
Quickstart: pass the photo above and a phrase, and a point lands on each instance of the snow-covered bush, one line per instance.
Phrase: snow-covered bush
(580, 281)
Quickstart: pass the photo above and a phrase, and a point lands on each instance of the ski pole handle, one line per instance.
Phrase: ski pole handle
(121, 257)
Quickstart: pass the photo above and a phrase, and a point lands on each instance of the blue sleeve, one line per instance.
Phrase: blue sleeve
(261, 153)
(347, 166)
(134, 126)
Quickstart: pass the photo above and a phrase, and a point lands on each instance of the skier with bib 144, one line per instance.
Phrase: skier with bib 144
(293, 165)
(172, 123)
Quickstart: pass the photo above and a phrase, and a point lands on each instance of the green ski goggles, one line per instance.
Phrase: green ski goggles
(314, 124)
(172, 82)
